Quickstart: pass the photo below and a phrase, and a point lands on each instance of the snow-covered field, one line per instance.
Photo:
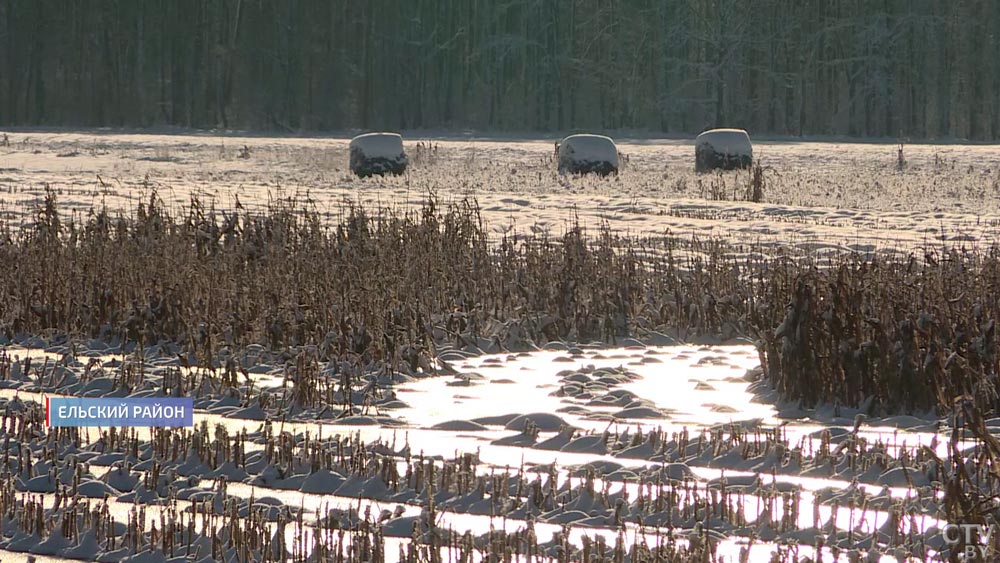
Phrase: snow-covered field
(638, 443)
(817, 193)
(651, 441)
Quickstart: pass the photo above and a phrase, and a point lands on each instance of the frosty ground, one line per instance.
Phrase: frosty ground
(819, 194)
(590, 435)
(647, 439)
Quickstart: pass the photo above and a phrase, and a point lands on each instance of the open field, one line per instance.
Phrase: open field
(383, 371)
(841, 195)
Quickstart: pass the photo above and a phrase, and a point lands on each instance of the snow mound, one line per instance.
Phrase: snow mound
(323, 482)
(588, 153)
(459, 425)
(724, 149)
(544, 421)
(732, 142)
(639, 412)
(377, 153)
(378, 145)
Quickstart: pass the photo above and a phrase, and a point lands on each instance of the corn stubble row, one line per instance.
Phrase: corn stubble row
(386, 289)
(227, 528)
(665, 517)
(382, 288)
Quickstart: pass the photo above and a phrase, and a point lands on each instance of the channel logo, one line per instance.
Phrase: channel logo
(148, 412)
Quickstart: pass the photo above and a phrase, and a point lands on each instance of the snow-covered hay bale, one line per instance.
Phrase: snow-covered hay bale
(725, 149)
(377, 153)
(583, 154)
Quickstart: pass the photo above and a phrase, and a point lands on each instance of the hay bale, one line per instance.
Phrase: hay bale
(725, 149)
(585, 154)
(378, 153)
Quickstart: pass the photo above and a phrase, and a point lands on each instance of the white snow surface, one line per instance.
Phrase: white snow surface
(589, 148)
(694, 388)
(379, 145)
(727, 141)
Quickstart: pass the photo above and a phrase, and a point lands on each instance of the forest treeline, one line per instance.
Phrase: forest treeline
(887, 68)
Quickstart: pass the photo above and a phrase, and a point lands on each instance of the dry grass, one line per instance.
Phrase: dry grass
(895, 334)
(900, 335)
(369, 287)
